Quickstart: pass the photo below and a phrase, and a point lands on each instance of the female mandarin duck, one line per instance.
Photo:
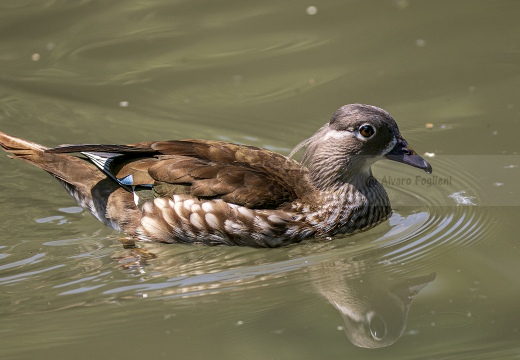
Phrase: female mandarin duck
(218, 193)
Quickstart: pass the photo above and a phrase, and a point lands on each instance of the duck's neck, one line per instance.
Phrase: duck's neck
(349, 201)
(334, 172)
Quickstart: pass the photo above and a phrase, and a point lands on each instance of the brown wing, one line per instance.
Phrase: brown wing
(243, 175)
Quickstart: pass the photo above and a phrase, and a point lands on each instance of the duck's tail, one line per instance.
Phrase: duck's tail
(21, 149)
(66, 168)
(90, 187)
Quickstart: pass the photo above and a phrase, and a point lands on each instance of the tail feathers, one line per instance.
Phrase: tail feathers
(67, 168)
(89, 186)
(21, 149)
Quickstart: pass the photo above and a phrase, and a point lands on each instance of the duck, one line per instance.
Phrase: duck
(219, 193)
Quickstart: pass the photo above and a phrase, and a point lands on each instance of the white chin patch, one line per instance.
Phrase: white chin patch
(335, 134)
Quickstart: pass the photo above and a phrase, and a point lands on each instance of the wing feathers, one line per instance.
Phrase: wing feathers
(244, 175)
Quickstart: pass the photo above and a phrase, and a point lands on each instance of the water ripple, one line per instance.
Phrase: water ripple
(450, 319)
(427, 221)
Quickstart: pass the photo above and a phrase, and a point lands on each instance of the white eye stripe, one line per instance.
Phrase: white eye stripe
(336, 134)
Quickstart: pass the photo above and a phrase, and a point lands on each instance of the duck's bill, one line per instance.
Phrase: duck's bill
(403, 153)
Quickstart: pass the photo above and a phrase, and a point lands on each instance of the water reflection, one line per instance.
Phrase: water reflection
(374, 306)
(373, 298)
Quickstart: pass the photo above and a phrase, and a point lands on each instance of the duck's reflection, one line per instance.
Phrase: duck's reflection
(372, 295)
(374, 306)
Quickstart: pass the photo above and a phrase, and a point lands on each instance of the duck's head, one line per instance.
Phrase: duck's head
(356, 136)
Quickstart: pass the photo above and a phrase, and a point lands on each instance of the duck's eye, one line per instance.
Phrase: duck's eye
(367, 130)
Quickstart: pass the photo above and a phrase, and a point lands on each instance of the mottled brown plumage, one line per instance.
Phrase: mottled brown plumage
(213, 192)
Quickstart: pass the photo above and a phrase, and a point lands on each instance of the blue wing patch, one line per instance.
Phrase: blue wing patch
(103, 161)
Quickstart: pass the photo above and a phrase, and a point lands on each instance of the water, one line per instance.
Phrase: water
(439, 280)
